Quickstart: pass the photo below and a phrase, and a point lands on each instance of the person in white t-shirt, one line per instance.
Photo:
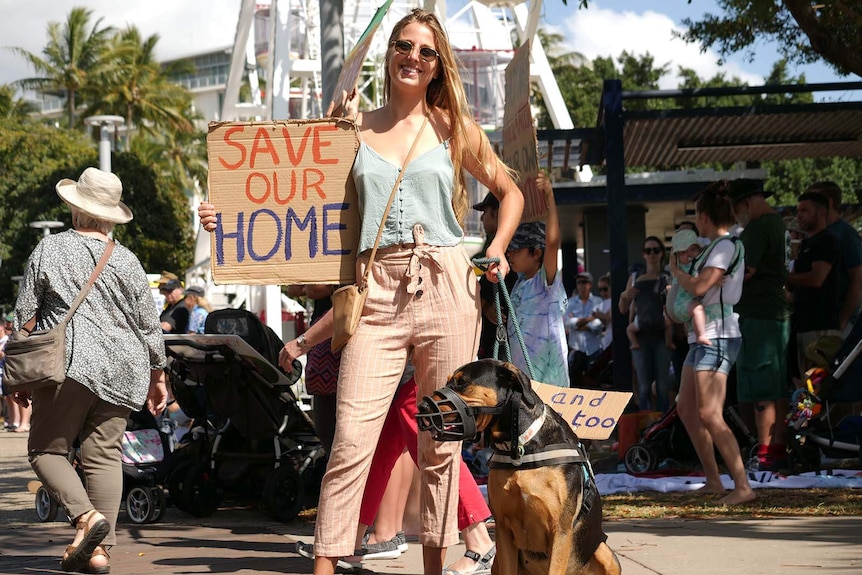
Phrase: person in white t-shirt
(717, 279)
(604, 311)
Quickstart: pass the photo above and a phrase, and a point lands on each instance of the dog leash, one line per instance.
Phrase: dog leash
(501, 336)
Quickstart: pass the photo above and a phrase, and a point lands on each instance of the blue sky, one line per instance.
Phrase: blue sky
(606, 28)
(645, 26)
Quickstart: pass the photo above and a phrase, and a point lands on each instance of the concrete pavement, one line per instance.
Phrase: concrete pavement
(244, 540)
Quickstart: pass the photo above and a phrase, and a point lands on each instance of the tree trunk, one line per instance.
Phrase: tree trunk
(70, 102)
(847, 58)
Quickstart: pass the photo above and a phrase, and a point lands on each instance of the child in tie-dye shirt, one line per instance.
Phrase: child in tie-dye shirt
(538, 297)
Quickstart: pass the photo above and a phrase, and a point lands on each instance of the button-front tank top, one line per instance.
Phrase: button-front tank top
(424, 197)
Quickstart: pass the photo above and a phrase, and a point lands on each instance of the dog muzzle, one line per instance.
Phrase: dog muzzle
(447, 416)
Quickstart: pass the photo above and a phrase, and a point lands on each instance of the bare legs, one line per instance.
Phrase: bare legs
(476, 538)
(700, 404)
(391, 511)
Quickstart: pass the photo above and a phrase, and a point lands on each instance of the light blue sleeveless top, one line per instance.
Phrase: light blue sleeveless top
(424, 197)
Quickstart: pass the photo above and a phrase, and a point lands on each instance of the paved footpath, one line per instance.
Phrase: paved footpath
(244, 540)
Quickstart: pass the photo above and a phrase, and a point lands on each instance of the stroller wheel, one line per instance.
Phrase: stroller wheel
(140, 504)
(160, 504)
(282, 493)
(199, 490)
(639, 459)
(46, 506)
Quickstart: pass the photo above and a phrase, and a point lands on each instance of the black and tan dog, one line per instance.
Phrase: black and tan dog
(541, 489)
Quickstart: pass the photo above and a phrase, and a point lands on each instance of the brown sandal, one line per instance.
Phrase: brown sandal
(99, 551)
(77, 558)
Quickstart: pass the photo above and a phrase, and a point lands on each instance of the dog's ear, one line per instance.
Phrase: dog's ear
(519, 381)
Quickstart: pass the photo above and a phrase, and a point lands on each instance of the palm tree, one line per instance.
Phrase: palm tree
(74, 54)
(137, 88)
(179, 158)
(12, 107)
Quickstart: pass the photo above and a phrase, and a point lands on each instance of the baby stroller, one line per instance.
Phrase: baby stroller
(248, 429)
(820, 423)
(145, 460)
(668, 438)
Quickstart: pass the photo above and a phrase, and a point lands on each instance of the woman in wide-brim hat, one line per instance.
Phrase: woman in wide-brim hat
(114, 362)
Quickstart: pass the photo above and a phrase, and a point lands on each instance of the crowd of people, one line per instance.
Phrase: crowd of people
(721, 299)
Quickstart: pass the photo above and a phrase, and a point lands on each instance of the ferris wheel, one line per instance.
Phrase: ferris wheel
(280, 41)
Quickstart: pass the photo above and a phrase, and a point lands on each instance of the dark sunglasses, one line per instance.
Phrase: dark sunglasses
(405, 48)
(654, 251)
(604, 288)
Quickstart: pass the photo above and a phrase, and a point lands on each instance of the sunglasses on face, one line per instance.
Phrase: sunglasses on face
(604, 288)
(653, 251)
(405, 48)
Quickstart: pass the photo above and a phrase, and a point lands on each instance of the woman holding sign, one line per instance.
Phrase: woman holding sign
(422, 294)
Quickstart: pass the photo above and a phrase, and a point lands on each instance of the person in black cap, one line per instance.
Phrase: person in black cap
(175, 319)
(761, 367)
(489, 206)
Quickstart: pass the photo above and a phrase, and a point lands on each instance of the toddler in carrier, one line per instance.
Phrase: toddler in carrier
(681, 305)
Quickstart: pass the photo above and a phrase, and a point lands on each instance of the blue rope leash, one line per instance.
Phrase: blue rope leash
(501, 336)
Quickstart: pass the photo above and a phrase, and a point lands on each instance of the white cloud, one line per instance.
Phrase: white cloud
(185, 27)
(603, 32)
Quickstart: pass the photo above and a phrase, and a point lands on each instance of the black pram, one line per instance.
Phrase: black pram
(249, 435)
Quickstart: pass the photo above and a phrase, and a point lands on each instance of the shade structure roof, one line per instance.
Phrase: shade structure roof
(686, 137)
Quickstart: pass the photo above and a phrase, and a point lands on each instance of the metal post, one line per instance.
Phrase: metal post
(46, 226)
(331, 46)
(612, 104)
(105, 124)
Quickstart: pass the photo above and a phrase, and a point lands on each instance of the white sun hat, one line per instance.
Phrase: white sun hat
(97, 194)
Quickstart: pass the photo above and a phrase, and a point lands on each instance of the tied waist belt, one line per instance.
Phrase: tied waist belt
(419, 256)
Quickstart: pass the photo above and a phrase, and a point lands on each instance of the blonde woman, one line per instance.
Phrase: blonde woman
(433, 314)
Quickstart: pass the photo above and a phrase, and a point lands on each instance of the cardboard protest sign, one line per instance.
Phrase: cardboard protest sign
(592, 413)
(287, 208)
(352, 67)
(520, 148)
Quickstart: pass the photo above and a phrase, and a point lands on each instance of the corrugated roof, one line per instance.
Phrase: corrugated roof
(687, 137)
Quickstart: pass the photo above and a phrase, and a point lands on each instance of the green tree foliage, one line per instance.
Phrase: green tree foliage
(137, 88)
(31, 155)
(34, 157)
(789, 178)
(580, 81)
(161, 234)
(804, 31)
(74, 54)
(13, 107)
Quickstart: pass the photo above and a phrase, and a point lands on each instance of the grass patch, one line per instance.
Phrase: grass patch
(769, 503)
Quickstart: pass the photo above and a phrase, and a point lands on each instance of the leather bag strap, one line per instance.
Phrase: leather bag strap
(31, 325)
(389, 204)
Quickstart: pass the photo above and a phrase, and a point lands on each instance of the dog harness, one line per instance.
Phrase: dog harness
(547, 455)
(518, 456)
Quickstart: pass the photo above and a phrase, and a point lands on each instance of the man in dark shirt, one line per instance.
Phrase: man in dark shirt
(850, 263)
(175, 319)
(761, 366)
(814, 278)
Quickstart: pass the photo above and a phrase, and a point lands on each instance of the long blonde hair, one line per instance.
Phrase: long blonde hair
(446, 93)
